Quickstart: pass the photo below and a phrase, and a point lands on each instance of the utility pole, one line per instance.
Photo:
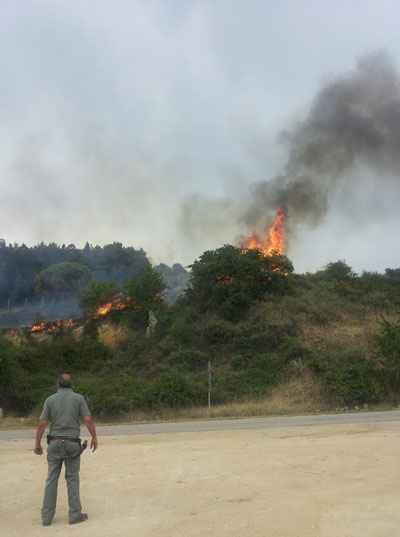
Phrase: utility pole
(209, 388)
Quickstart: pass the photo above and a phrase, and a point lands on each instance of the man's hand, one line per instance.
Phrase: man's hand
(92, 430)
(38, 449)
(39, 433)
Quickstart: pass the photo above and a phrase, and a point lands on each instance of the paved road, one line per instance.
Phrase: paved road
(224, 425)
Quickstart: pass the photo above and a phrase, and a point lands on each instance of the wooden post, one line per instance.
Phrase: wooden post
(26, 302)
(8, 305)
(209, 388)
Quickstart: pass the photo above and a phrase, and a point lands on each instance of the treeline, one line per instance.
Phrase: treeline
(20, 265)
(251, 316)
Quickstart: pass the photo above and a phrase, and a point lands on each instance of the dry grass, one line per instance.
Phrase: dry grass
(348, 333)
(302, 393)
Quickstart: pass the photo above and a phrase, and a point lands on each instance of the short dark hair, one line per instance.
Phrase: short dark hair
(63, 382)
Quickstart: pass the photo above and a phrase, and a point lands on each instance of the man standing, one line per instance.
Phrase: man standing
(64, 410)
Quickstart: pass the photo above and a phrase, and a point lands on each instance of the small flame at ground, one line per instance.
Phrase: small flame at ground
(39, 327)
(272, 242)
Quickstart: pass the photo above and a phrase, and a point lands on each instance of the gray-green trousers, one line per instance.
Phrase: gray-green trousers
(56, 454)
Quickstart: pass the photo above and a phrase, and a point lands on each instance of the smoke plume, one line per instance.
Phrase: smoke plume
(353, 123)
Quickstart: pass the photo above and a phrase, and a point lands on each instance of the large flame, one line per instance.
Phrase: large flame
(272, 242)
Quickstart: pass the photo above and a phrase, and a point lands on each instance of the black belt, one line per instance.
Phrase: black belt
(64, 438)
(68, 439)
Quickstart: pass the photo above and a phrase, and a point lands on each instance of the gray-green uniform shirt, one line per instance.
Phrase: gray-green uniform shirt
(64, 409)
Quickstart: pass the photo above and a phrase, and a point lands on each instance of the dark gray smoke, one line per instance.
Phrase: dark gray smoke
(353, 123)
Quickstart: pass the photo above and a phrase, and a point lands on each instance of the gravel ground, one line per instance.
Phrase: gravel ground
(325, 480)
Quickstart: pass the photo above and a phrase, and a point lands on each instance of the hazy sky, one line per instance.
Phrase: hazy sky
(147, 122)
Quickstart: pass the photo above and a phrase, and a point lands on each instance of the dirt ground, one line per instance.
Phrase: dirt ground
(328, 481)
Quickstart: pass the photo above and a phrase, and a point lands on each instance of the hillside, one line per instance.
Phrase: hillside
(276, 341)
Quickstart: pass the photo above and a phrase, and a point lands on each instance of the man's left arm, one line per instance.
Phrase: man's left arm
(39, 433)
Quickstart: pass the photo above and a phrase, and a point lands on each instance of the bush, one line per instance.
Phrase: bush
(95, 295)
(176, 389)
(351, 378)
(62, 354)
(188, 360)
(112, 394)
(183, 322)
(387, 345)
(338, 270)
(21, 390)
(248, 383)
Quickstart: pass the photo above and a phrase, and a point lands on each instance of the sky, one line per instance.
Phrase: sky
(151, 122)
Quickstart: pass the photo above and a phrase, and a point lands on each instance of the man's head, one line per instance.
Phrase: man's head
(64, 381)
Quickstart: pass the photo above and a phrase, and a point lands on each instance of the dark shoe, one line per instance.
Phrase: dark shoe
(46, 523)
(82, 518)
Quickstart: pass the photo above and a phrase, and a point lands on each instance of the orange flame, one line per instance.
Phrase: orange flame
(116, 304)
(54, 325)
(37, 327)
(272, 242)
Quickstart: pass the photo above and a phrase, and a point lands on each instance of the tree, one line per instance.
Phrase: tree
(66, 278)
(143, 292)
(228, 280)
(393, 273)
(96, 294)
(338, 270)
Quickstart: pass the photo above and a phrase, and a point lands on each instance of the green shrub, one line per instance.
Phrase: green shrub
(21, 390)
(351, 378)
(64, 354)
(251, 377)
(188, 360)
(111, 395)
(96, 294)
(292, 349)
(176, 389)
(183, 322)
(387, 345)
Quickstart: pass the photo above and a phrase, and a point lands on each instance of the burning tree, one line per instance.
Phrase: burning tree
(228, 280)
(272, 242)
(96, 294)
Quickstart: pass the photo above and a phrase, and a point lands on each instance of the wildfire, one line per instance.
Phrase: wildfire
(272, 242)
(39, 327)
(54, 325)
(115, 304)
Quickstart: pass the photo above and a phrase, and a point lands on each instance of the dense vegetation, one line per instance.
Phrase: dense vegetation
(54, 270)
(252, 317)
(51, 281)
